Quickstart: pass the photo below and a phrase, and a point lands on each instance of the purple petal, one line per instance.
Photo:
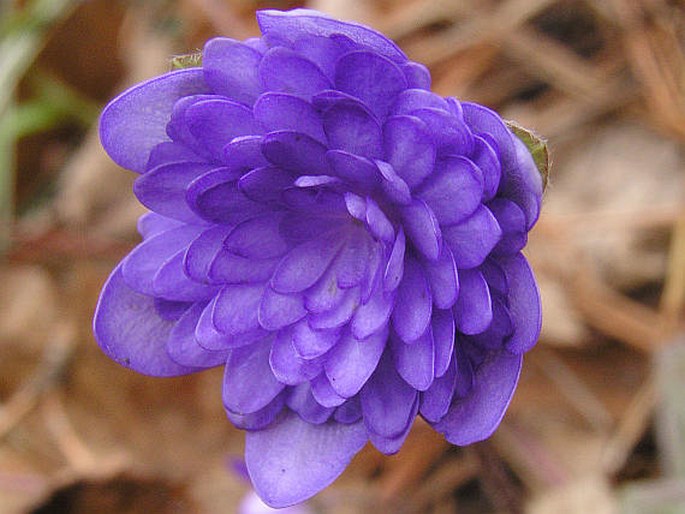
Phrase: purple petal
(303, 265)
(151, 224)
(450, 134)
(235, 310)
(258, 237)
(454, 190)
(409, 148)
(265, 185)
(231, 69)
(443, 279)
(243, 154)
(485, 157)
(202, 251)
(436, 400)
(310, 343)
(282, 70)
(141, 265)
(482, 120)
(372, 316)
(280, 310)
(325, 295)
(378, 223)
(443, 337)
(415, 362)
(474, 238)
(296, 151)
(391, 445)
(423, 229)
(171, 283)
(303, 402)
(387, 400)
(286, 363)
(524, 303)
(413, 99)
(292, 460)
(356, 206)
(351, 265)
(135, 121)
(324, 393)
(228, 268)
(394, 269)
(169, 152)
(249, 384)
(216, 197)
(350, 127)
(351, 362)
(177, 128)
(207, 335)
(162, 189)
(322, 51)
(184, 349)
(354, 170)
(476, 416)
(473, 309)
(281, 111)
(370, 77)
(260, 419)
(340, 313)
(129, 330)
(349, 412)
(216, 122)
(417, 75)
(413, 305)
(523, 183)
(512, 221)
(395, 189)
(292, 25)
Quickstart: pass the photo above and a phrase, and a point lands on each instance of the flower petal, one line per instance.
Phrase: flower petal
(303, 265)
(474, 238)
(249, 384)
(443, 337)
(231, 69)
(282, 70)
(370, 77)
(294, 24)
(350, 127)
(184, 349)
(409, 148)
(310, 343)
(354, 170)
(303, 402)
(415, 362)
(258, 238)
(163, 189)
(473, 309)
(287, 365)
(387, 400)
(422, 228)
(454, 190)
(443, 279)
(394, 269)
(351, 362)
(436, 400)
(524, 303)
(283, 111)
(296, 152)
(129, 330)
(292, 460)
(324, 393)
(413, 305)
(476, 416)
(135, 121)
(278, 310)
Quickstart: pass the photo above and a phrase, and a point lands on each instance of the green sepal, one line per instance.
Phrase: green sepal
(537, 146)
(181, 62)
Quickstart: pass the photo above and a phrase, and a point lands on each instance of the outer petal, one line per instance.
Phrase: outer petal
(129, 330)
(292, 25)
(524, 304)
(476, 416)
(231, 69)
(292, 460)
(135, 121)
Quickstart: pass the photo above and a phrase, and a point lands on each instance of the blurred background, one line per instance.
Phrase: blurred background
(598, 422)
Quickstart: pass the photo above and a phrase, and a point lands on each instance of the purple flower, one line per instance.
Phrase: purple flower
(345, 242)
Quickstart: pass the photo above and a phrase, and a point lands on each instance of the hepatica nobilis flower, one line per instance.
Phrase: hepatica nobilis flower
(345, 242)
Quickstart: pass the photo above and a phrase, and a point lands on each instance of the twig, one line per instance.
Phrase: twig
(49, 371)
